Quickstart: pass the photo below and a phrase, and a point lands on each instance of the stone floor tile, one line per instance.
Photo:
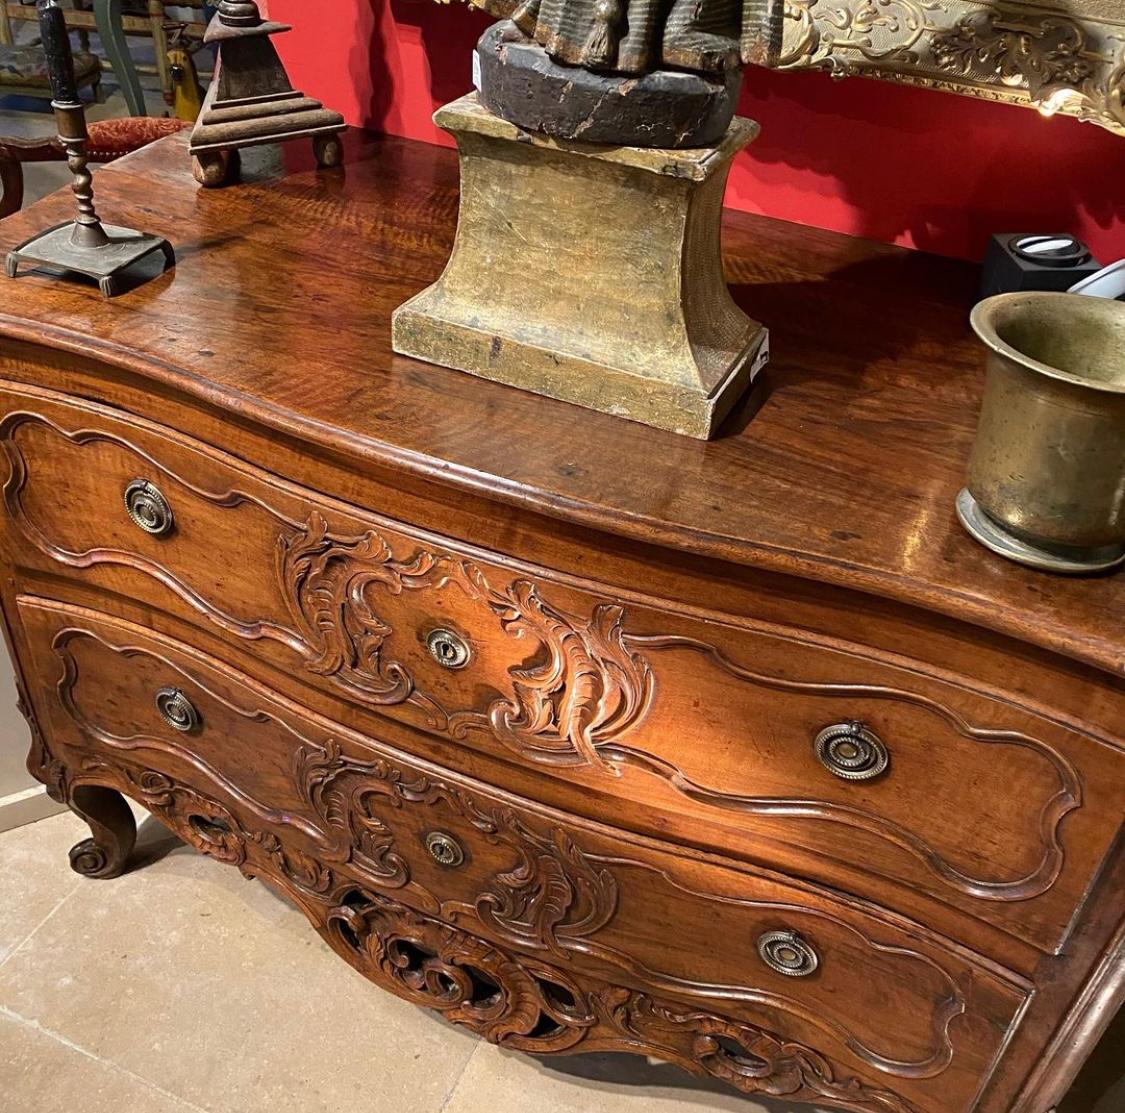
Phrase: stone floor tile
(40, 1073)
(34, 875)
(221, 993)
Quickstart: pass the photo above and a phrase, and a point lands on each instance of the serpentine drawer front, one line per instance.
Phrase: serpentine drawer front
(360, 831)
(986, 805)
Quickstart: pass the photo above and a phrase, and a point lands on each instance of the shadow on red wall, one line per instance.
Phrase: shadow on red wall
(903, 165)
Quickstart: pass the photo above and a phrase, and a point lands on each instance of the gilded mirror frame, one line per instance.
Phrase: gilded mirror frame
(1066, 56)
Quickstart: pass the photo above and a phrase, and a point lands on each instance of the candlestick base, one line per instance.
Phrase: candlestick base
(104, 263)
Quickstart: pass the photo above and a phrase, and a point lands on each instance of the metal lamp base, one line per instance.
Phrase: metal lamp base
(104, 263)
(1065, 560)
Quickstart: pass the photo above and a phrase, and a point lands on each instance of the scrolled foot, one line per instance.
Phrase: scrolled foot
(328, 150)
(113, 828)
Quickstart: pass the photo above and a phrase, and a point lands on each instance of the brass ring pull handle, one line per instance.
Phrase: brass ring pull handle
(148, 508)
(851, 751)
(444, 849)
(450, 650)
(177, 710)
(785, 952)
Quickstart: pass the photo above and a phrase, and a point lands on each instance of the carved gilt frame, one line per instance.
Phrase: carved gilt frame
(1065, 56)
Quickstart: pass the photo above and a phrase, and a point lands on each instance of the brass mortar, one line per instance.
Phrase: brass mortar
(1046, 483)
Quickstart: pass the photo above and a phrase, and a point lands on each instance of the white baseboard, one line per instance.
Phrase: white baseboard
(26, 806)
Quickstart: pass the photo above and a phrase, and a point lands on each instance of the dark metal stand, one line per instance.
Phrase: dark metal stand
(85, 245)
(251, 101)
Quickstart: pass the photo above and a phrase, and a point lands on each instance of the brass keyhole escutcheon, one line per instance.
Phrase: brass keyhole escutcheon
(444, 849)
(450, 650)
(851, 751)
(785, 952)
(177, 710)
(148, 508)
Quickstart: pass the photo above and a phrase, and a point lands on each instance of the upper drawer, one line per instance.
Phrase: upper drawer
(240, 770)
(973, 800)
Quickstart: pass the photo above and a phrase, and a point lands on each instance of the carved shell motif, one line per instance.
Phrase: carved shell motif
(588, 690)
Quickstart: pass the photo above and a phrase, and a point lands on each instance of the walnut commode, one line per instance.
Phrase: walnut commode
(740, 755)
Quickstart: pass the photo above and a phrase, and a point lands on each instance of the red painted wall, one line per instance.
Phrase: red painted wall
(908, 166)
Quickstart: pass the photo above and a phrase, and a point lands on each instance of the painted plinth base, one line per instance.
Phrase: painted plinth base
(589, 274)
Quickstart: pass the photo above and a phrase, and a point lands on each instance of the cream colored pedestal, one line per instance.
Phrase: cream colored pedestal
(590, 274)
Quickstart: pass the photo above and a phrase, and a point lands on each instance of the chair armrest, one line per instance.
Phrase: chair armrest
(11, 183)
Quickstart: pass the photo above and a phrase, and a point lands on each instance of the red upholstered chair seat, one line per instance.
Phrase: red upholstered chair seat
(109, 139)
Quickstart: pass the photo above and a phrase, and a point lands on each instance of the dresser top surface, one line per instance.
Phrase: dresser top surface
(841, 465)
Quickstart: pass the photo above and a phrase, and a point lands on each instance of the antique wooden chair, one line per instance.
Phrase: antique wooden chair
(23, 71)
(114, 21)
(109, 139)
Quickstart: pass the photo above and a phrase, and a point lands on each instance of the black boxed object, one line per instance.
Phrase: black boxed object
(1034, 261)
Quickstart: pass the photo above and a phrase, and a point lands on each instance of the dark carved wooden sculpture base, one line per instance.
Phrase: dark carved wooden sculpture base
(741, 755)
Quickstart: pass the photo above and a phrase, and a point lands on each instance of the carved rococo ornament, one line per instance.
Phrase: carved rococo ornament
(579, 705)
(552, 894)
(589, 690)
(506, 998)
(1071, 62)
(520, 1003)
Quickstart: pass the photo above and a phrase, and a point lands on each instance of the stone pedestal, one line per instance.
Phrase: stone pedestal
(590, 274)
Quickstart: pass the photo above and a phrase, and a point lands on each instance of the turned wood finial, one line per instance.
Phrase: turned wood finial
(239, 13)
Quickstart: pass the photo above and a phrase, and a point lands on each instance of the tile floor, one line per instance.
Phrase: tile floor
(183, 987)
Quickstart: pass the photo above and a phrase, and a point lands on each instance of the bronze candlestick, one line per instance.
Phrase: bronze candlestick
(84, 245)
(251, 100)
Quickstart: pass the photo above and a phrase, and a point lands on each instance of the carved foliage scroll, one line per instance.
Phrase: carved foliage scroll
(587, 690)
(581, 686)
(1070, 61)
(523, 1004)
(552, 895)
(527, 884)
(505, 997)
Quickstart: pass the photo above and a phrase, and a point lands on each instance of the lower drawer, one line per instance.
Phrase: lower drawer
(248, 776)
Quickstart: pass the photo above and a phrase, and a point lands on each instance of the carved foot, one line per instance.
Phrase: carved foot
(212, 169)
(328, 150)
(114, 831)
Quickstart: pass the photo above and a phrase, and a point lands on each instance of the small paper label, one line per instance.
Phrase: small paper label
(476, 71)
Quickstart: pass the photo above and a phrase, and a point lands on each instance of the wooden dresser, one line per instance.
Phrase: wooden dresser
(741, 755)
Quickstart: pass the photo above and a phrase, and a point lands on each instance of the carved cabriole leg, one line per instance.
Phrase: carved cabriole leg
(111, 822)
(113, 827)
